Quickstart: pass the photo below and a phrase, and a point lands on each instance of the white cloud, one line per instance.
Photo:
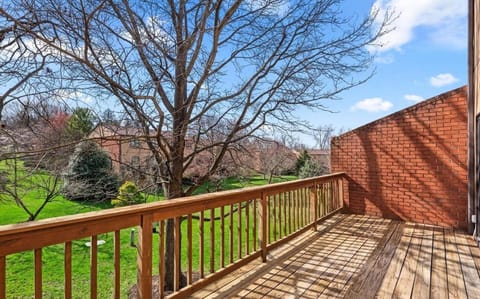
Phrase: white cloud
(442, 80)
(372, 105)
(413, 98)
(444, 20)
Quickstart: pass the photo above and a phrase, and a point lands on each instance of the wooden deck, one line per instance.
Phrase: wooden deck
(353, 256)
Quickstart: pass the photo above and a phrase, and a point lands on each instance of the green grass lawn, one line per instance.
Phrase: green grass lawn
(20, 266)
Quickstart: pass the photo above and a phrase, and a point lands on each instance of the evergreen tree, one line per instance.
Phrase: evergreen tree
(89, 175)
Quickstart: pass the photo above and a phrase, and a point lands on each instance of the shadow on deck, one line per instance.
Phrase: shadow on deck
(353, 256)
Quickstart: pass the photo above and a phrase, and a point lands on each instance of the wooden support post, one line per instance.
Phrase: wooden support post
(263, 225)
(313, 206)
(144, 257)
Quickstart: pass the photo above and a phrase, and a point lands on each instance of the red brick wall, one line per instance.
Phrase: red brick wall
(411, 165)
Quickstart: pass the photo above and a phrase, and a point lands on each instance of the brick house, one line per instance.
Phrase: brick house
(126, 146)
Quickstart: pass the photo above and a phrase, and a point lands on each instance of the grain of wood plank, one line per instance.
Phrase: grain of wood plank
(470, 274)
(439, 288)
(354, 259)
(475, 252)
(393, 273)
(369, 280)
(306, 264)
(406, 280)
(240, 280)
(456, 286)
(262, 285)
(421, 286)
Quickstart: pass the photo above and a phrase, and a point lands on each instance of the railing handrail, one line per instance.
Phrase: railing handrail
(137, 210)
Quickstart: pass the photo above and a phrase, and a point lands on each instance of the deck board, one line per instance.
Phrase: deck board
(354, 256)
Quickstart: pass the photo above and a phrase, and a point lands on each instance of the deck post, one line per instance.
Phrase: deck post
(313, 206)
(263, 225)
(144, 257)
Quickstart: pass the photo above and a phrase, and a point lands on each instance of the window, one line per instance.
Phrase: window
(135, 143)
(135, 160)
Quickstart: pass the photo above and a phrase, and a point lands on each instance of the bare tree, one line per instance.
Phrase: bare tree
(18, 182)
(323, 135)
(274, 158)
(172, 64)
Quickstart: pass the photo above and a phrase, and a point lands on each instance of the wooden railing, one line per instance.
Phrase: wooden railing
(226, 229)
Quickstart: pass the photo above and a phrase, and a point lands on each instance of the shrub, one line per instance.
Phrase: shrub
(128, 194)
(310, 169)
(89, 175)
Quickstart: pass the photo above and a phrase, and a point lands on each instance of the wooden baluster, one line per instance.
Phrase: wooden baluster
(202, 249)
(38, 273)
(247, 227)
(231, 234)
(176, 256)
(222, 236)
(313, 209)
(269, 226)
(212, 240)
(340, 195)
(284, 194)
(274, 217)
(116, 262)
(299, 208)
(289, 197)
(3, 277)
(189, 249)
(306, 205)
(254, 229)
(335, 202)
(330, 196)
(67, 266)
(161, 258)
(144, 257)
(93, 267)
(279, 215)
(239, 231)
(263, 225)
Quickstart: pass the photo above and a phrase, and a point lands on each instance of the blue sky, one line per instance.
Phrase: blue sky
(424, 56)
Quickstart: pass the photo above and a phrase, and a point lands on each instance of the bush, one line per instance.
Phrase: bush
(128, 194)
(310, 169)
(89, 175)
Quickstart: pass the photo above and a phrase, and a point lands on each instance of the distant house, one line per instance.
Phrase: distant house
(321, 156)
(126, 146)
